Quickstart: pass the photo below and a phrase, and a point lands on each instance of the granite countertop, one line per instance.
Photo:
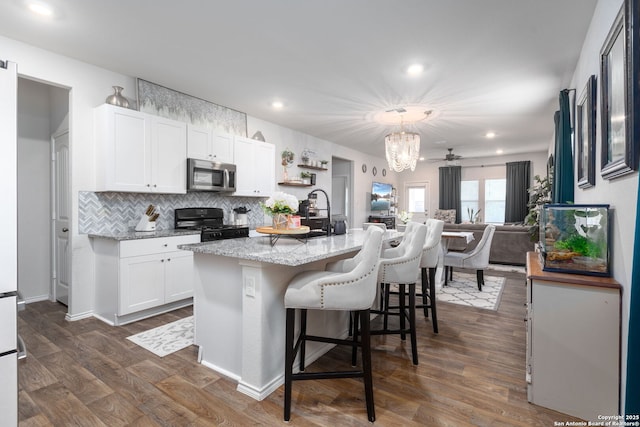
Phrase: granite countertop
(286, 251)
(135, 235)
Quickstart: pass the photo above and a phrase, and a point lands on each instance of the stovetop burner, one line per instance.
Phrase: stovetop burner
(210, 223)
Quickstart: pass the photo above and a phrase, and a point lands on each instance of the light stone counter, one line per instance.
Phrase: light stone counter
(136, 235)
(239, 312)
(287, 250)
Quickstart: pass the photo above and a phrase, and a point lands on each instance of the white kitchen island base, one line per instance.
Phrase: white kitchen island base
(239, 312)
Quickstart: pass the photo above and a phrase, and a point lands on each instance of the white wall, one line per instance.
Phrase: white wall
(471, 169)
(620, 193)
(34, 195)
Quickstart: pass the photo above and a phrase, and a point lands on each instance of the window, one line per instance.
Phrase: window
(417, 200)
(485, 194)
(495, 192)
(469, 198)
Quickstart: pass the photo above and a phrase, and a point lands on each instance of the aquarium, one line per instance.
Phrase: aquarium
(575, 239)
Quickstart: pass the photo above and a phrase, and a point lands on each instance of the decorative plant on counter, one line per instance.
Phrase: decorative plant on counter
(539, 194)
(280, 206)
(405, 216)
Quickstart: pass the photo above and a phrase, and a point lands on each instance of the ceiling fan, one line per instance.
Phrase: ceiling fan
(450, 158)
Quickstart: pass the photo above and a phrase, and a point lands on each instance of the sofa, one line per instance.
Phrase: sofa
(509, 246)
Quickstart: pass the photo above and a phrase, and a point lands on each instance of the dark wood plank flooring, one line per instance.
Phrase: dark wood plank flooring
(472, 373)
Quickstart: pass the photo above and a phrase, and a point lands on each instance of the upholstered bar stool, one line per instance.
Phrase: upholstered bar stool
(351, 290)
(428, 264)
(402, 269)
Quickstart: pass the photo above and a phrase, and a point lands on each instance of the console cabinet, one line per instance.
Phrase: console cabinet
(141, 278)
(255, 167)
(573, 342)
(138, 152)
(388, 220)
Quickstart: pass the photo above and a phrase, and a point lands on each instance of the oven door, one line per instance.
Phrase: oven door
(203, 175)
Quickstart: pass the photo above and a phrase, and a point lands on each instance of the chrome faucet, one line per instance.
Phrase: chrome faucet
(328, 208)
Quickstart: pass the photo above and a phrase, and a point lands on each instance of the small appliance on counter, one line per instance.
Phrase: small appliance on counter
(210, 222)
(240, 215)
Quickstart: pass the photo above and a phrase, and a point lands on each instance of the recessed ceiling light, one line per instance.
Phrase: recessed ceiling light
(421, 159)
(415, 69)
(41, 9)
(490, 135)
(277, 105)
(499, 151)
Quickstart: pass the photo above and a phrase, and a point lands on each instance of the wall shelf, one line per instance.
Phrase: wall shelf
(317, 168)
(295, 184)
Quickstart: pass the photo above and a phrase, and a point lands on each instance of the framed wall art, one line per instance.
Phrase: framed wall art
(620, 121)
(586, 135)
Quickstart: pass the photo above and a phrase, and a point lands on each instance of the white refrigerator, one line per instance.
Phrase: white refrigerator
(8, 245)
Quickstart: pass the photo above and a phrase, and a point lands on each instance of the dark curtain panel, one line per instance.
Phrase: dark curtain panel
(450, 179)
(517, 197)
(563, 167)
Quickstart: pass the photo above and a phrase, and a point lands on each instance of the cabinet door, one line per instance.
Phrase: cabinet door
(178, 276)
(125, 144)
(169, 171)
(264, 167)
(141, 283)
(198, 143)
(222, 147)
(243, 155)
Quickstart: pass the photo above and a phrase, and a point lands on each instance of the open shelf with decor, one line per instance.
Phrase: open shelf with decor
(318, 168)
(294, 184)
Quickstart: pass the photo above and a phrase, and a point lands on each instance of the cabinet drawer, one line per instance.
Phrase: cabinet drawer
(129, 248)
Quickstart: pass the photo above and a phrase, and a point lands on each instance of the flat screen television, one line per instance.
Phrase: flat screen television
(381, 196)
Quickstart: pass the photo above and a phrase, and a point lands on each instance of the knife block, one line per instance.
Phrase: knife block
(145, 225)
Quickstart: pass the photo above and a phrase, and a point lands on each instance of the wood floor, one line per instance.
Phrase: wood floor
(85, 373)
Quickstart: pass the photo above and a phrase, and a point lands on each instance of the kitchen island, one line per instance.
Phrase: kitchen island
(239, 312)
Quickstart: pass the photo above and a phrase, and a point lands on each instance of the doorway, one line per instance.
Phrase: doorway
(341, 190)
(43, 112)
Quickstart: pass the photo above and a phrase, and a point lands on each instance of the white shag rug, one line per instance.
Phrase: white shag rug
(463, 290)
(166, 339)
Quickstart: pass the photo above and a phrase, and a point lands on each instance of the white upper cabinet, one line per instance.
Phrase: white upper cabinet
(207, 144)
(255, 167)
(138, 152)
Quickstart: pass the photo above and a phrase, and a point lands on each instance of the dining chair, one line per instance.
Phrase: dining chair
(477, 259)
(354, 290)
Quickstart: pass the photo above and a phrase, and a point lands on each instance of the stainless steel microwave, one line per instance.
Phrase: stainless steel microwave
(203, 175)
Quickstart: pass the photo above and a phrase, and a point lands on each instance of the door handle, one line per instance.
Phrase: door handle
(65, 229)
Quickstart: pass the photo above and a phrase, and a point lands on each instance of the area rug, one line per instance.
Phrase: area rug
(166, 339)
(463, 290)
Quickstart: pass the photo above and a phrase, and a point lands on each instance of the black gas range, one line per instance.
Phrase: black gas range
(210, 222)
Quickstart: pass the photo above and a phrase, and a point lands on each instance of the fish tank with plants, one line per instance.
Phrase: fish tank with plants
(575, 239)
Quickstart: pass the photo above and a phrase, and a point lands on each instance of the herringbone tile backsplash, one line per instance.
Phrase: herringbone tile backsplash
(119, 212)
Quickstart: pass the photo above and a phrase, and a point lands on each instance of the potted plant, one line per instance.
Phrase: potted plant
(279, 207)
(323, 163)
(539, 194)
(474, 217)
(306, 177)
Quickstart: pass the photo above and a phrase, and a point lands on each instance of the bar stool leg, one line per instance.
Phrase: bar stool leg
(289, 356)
(303, 337)
(412, 322)
(387, 287)
(354, 350)
(366, 364)
(432, 298)
(425, 304)
(402, 301)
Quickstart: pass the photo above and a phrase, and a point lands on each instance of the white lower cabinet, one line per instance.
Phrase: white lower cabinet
(141, 278)
(573, 342)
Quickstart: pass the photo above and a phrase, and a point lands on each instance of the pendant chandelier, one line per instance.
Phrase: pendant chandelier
(402, 149)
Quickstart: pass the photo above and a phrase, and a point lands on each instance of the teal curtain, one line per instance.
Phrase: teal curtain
(632, 400)
(449, 189)
(563, 167)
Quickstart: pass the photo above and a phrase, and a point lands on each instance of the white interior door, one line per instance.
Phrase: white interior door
(61, 217)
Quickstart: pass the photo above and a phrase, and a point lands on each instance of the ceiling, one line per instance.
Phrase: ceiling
(489, 65)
